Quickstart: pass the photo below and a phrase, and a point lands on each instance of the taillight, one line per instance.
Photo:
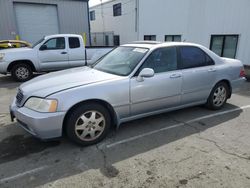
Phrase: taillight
(242, 72)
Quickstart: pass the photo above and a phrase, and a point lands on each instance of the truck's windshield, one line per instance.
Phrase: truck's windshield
(121, 61)
(38, 42)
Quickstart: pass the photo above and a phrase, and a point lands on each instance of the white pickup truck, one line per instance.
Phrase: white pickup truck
(51, 53)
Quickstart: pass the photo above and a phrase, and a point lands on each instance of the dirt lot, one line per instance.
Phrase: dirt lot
(193, 147)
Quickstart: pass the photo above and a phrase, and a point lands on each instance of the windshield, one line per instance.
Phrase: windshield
(38, 42)
(121, 61)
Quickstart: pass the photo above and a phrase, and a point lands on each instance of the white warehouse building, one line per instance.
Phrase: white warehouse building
(221, 25)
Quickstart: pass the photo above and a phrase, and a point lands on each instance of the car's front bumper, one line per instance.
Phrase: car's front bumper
(3, 67)
(41, 125)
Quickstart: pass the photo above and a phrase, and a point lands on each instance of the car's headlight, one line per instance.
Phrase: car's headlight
(1, 56)
(41, 105)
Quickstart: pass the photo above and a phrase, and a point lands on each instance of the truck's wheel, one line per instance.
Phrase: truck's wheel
(21, 72)
(218, 97)
(88, 124)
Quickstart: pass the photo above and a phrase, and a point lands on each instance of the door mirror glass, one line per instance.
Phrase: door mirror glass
(145, 73)
(43, 47)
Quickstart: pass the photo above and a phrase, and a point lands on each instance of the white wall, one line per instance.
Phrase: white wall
(197, 20)
(124, 25)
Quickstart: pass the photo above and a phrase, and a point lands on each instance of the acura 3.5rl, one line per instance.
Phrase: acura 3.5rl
(132, 81)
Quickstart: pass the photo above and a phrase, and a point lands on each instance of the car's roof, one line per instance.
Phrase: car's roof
(146, 42)
(157, 44)
(62, 35)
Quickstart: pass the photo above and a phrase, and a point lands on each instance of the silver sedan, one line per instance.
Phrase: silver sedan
(132, 81)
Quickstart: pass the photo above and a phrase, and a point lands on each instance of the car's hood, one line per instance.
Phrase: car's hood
(45, 85)
(16, 50)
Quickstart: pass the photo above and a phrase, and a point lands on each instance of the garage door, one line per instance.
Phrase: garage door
(36, 20)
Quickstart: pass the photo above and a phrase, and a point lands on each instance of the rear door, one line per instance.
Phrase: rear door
(53, 54)
(161, 91)
(199, 74)
(76, 52)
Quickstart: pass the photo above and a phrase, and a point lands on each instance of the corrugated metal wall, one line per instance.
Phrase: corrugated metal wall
(72, 15)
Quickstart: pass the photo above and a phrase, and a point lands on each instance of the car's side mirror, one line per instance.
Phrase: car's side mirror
(145, 73)
(43, 47)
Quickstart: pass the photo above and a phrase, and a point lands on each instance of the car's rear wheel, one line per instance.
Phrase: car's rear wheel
(21, 72)
(218, 97)
(88, 124)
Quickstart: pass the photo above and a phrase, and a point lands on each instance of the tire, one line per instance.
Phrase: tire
(88, 124)
(22, 72)
(218, 96)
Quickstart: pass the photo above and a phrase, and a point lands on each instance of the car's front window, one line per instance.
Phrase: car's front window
(38, 42)
(121, 61)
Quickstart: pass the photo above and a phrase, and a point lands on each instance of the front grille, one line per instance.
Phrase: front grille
(19, 96)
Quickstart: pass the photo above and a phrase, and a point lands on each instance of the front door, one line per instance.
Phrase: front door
(161, 91)
(53, 54)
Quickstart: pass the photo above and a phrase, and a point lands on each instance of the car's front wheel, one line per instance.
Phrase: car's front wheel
(88, 124)
(21, 72)
(218, 97)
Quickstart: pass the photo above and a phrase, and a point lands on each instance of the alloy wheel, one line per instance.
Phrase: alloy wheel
(90, 125)
(220, 95)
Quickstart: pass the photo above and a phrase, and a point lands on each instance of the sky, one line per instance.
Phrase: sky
(95, 2)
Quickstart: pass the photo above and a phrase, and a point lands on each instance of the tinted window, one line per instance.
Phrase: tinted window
(92, 15)
(173, 38)
(209, 60)
(55, 43)
(161, 60)
(217, 44)
(150, 37)
(116, 40)
(106, 40)
(74, 42)
(117, 9)
(224, 45)
(194, 57)
(230, 46)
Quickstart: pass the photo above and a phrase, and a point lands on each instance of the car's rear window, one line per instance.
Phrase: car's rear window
(74, 42)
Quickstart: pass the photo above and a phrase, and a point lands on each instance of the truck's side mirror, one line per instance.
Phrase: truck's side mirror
(145, 73)
(43, 47)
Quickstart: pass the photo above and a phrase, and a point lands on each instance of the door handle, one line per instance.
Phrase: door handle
(175, 76)
(212, 70)
(63, 52)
